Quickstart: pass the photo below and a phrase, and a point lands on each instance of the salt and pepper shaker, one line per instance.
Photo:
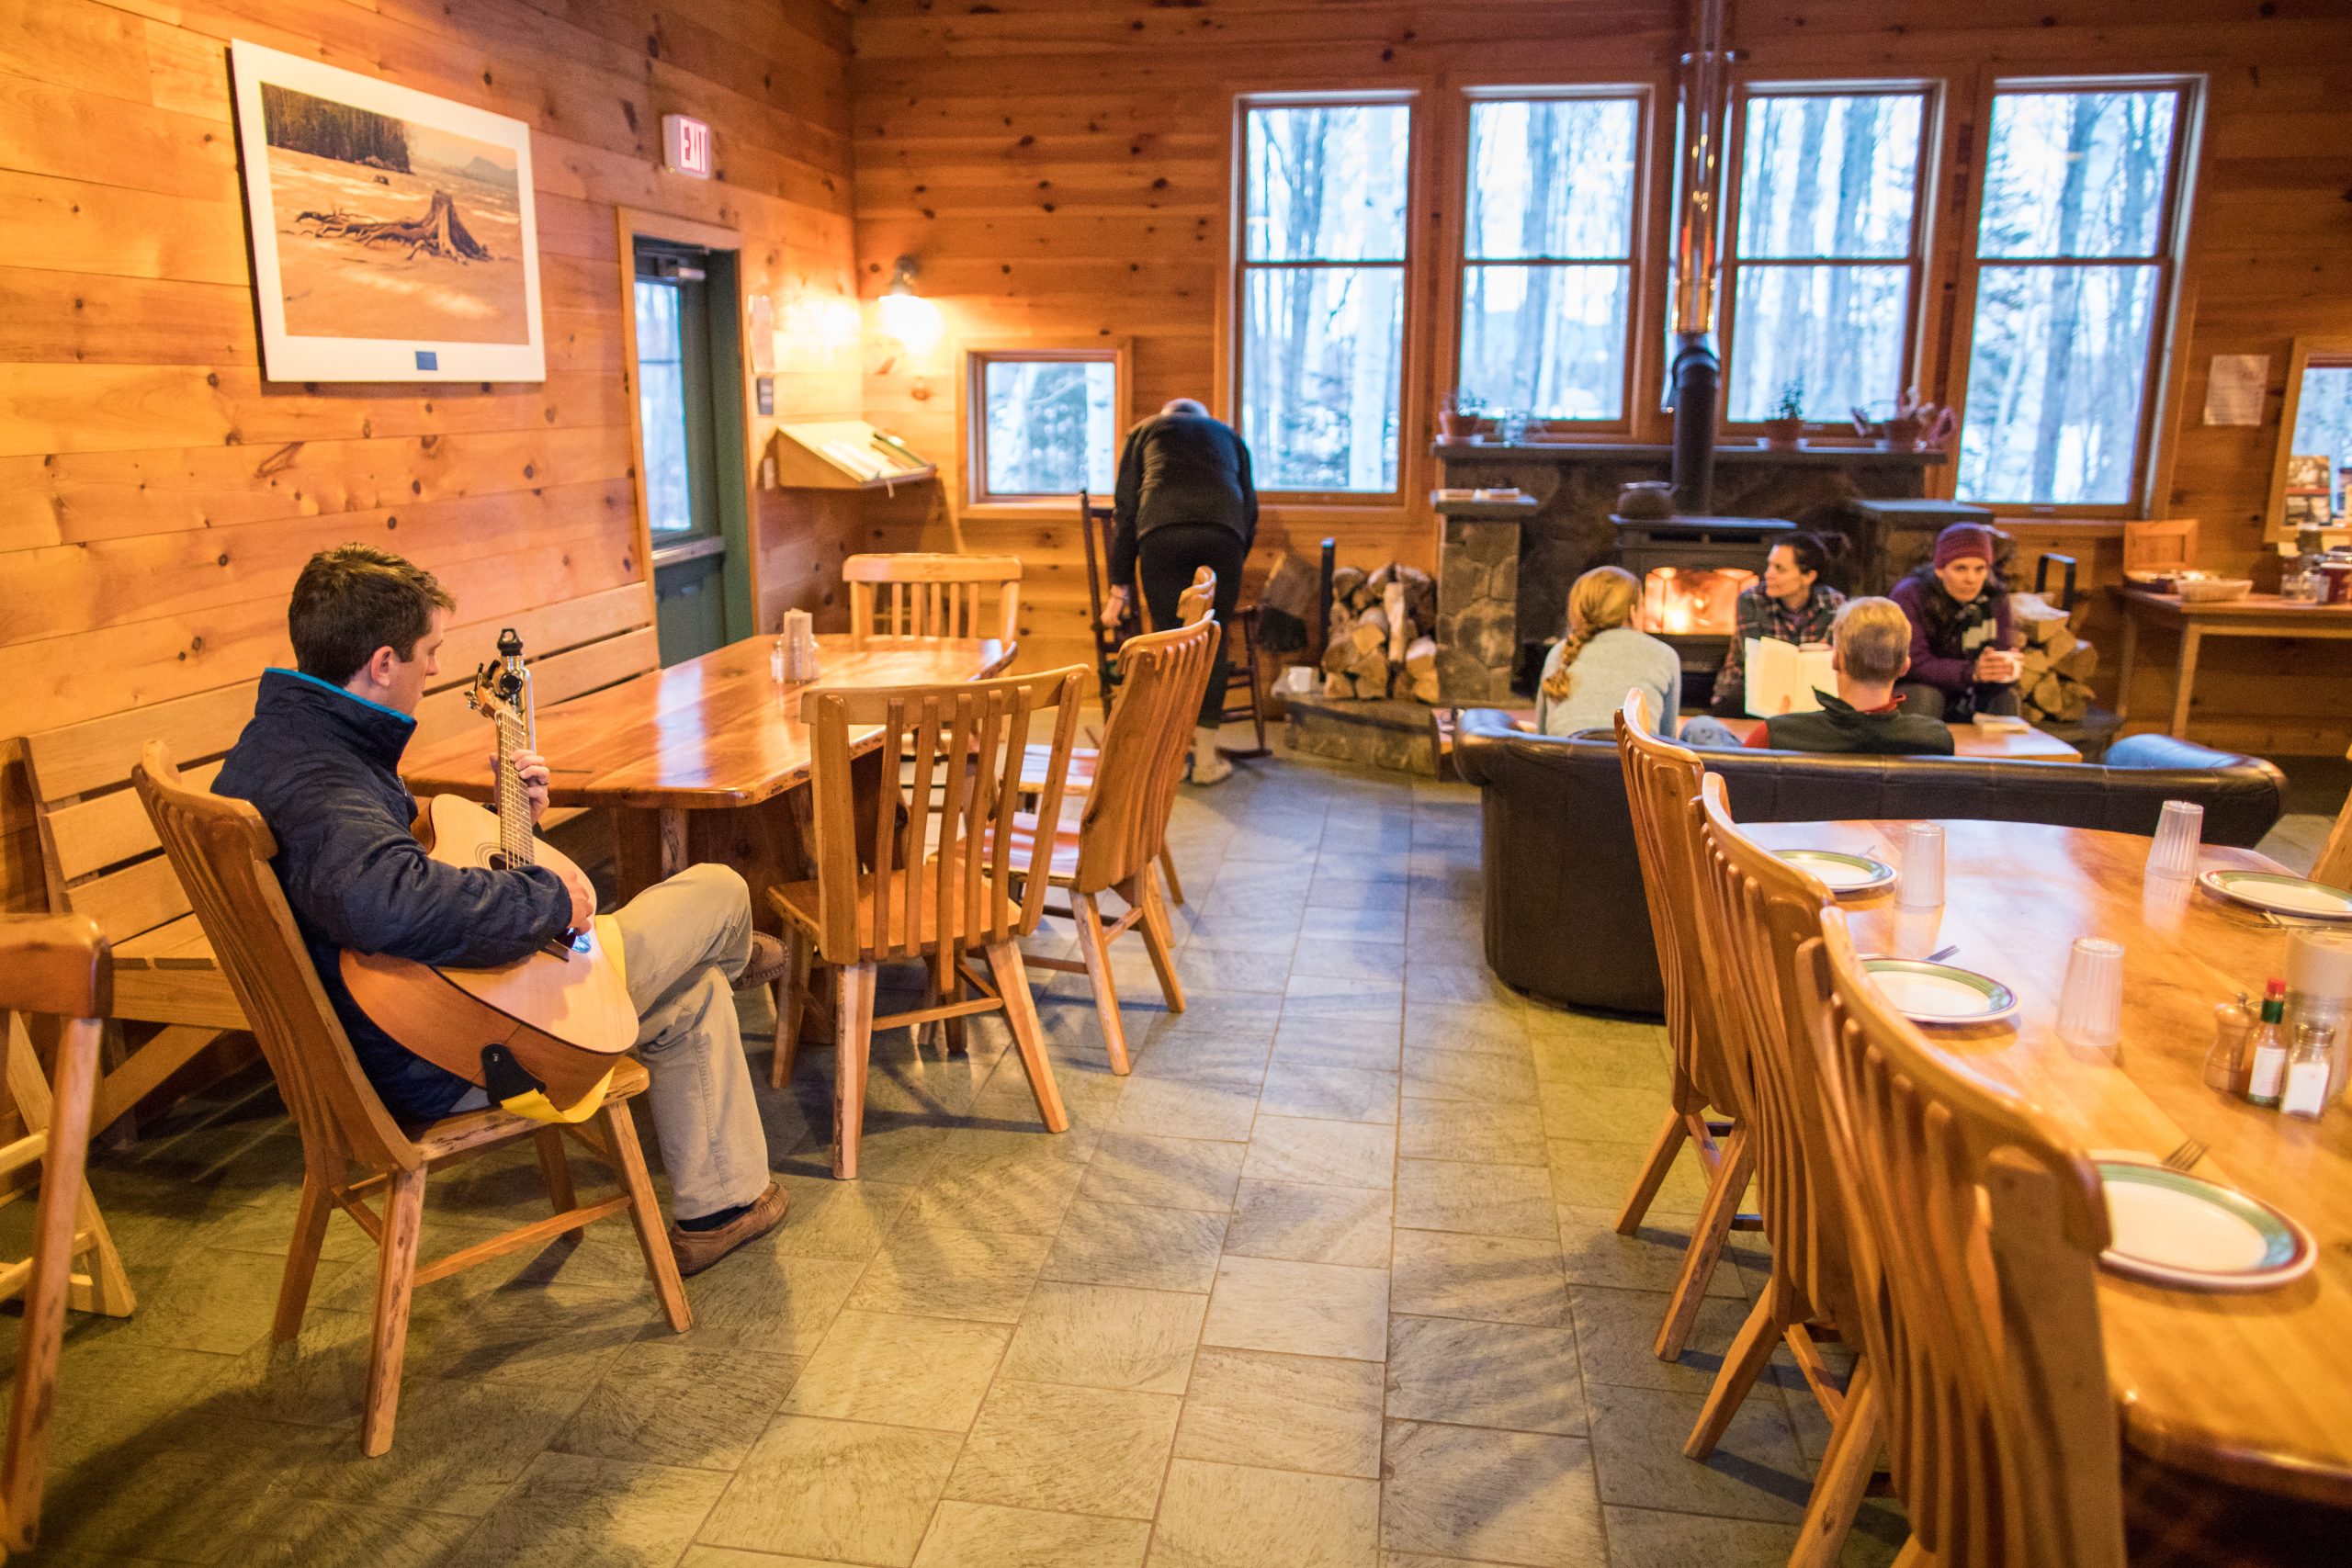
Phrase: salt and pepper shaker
(2227, 1067)
(2308, 1064)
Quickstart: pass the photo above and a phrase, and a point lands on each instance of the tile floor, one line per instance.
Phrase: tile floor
(1329, 1282)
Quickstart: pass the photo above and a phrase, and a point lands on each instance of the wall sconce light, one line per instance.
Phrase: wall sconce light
(908, 318)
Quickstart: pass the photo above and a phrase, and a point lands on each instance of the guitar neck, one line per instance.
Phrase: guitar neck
(514, 840)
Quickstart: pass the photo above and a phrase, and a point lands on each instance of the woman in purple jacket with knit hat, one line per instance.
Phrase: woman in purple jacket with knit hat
(1962, 661)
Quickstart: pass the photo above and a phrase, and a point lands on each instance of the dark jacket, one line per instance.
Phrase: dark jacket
(322, 766)
(1841, 727)
(1946, 635)
(1181, 468)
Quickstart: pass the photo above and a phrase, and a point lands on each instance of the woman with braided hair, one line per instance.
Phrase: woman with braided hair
(1588, 673)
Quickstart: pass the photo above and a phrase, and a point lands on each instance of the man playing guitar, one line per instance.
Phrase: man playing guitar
(320, 762)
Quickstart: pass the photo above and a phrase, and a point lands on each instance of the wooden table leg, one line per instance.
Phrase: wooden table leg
(2123, 665)
(673, 842)
(2185, 680)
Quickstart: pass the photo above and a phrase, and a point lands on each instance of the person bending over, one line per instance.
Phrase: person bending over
(1962, 661)
(1185, 500)
(1870, 648)
(320, 762)
(1790, 604)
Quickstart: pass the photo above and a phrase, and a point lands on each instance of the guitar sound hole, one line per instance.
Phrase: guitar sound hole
(496, 860)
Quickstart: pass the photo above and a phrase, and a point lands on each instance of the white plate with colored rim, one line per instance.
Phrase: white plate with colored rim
(1940, 993)
(2172, 1228)
(2280, 895)
(1841, 872)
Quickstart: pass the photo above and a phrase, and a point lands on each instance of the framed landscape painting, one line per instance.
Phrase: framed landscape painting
(393, 233)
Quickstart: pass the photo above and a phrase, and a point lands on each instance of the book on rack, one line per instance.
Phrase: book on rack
(1782, 676)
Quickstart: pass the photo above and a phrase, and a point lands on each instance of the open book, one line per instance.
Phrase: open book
(1782, 676)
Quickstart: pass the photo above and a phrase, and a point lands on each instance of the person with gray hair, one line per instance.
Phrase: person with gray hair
(1185, 500)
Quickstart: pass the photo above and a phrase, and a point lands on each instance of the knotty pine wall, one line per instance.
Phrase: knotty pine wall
(1062, 168)
(157, 497)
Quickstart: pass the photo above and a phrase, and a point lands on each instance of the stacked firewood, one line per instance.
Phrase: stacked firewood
(1380, 644)
(2056, 684)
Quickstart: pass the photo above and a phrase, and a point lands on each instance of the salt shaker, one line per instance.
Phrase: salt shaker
(2319, 992)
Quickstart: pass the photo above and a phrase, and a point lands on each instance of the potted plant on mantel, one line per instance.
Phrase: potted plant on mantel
(1787, 424)
(1461, 416)
(1914, 426)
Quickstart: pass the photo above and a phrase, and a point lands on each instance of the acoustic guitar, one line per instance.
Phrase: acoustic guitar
(563, 1015)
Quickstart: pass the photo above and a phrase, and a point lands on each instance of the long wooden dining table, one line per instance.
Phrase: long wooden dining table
(2253, 1388)
(699, 762)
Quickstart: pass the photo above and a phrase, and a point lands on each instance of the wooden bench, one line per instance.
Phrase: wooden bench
(99, 853)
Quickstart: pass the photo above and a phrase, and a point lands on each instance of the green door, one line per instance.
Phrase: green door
(685, 416)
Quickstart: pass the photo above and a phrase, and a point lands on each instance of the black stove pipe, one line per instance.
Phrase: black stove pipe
(1697, 375)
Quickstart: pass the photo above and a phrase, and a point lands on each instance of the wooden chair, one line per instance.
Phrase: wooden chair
(936, 882)
(1124, 827)
(99, 855)
(2334, 863)
(55, 966)
(1096, 524)
(1766, 910)
(1661, 788)
(918, 594)
(1192, 606)
(221, 849)
(1976, 1233)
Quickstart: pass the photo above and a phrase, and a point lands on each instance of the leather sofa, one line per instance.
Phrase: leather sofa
(1565, 920)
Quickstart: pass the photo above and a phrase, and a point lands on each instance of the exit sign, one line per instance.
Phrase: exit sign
(686, 145)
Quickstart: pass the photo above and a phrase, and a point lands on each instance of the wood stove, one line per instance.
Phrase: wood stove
(1691, 569)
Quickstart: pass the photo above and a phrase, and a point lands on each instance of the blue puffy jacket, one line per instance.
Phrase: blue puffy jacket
(322, 766)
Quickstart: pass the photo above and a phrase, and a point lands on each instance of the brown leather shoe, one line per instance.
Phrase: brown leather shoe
(765, 966)
(697, 1250)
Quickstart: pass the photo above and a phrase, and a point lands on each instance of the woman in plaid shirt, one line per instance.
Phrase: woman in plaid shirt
(1791, 604)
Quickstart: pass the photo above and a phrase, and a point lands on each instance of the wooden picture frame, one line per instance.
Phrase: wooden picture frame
(394, 234)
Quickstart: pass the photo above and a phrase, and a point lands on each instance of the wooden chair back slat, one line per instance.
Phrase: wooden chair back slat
(931, 595)
(1124, 824)
(222, 850)
(1661, 785)
(1768, 909)
(1976, 1235)
(933, 883)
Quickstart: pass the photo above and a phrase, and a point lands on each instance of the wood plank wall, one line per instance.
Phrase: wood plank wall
(1060, 169)
(157, 497)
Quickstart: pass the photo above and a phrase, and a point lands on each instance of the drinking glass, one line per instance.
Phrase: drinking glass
(2179, 831)
(1920, 883)
(2090, 1007)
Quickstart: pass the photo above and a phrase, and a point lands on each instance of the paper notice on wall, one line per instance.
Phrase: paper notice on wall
(2233, 392)
(1782, 676)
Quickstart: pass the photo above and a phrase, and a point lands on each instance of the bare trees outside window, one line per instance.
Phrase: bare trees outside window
(1047, 425)
(1825, 256)
(2070, 253)
(1323, 293)
(1548, 255)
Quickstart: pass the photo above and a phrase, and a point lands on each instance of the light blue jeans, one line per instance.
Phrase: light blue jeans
(683, 942)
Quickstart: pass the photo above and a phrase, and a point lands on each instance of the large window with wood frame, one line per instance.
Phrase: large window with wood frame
(1547, 267)
(1322, 292)
(1822, 270)
(2072, 272)
(1043, 423)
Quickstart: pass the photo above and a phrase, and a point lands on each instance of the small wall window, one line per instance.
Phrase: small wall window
(1044, 424)
(2073, 253)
